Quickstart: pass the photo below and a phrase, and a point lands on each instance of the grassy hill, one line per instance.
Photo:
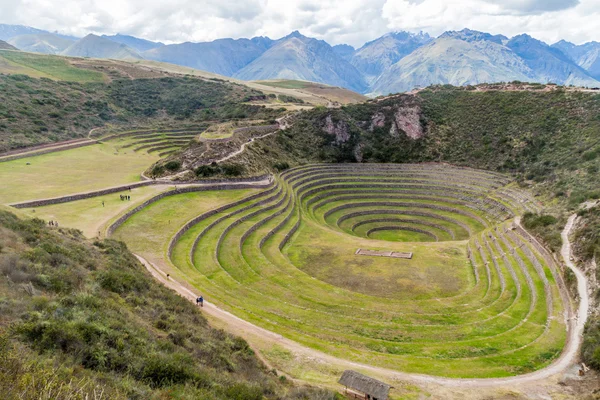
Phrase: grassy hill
(38, 111)
(6, 46)
(46, 66)
(85, 320)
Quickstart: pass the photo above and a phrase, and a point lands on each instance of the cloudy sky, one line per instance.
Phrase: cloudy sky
(336, 21)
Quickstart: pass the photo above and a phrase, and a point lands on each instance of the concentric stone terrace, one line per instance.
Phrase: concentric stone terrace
(477, 299)
(163, 142)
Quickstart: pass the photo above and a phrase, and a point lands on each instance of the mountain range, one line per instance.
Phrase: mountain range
(395, 62)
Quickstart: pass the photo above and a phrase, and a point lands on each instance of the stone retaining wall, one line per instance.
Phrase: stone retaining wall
(263, 222)
(209, 214)
(116, 189)
(406, 221)
(406, 212)
(403, 204)
(289, 235)
(402, 228)
(174, 192)
(219, 220)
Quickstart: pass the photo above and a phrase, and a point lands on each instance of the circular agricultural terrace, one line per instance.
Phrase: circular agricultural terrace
(312, 258)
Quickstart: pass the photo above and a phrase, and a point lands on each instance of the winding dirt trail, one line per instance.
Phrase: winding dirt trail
(584, 300)
(243, 147)
(246, 329)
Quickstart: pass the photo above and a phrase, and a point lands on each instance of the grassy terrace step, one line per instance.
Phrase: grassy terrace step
(479, 302)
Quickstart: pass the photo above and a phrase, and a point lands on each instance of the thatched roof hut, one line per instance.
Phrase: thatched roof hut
(372, 388)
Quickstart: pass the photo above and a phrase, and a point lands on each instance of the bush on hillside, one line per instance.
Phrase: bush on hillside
(89, 319)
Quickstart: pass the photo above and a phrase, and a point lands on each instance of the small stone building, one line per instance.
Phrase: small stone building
(362, 385)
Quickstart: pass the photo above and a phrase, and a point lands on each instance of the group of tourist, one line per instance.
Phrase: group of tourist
(125, 197)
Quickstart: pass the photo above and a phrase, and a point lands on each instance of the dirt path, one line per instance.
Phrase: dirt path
(584, 300)
(241, 150)
(246, 329)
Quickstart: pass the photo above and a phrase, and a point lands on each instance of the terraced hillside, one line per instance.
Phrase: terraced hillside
(478, 298)
(160, 141)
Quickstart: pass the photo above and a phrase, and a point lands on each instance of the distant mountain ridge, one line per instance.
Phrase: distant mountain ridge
(397, 61)
(301, 58)
(222, 56)
(587, 55)
(46, 43)
(378, 55)
(137, 44)
(99, 47)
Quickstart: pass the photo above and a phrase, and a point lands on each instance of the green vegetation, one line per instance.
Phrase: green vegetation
(87, 321)
(71, 171)
(53, 67)
(290, 99)
(206, 171)
(587, 238)
(549, 140)
(546, 227)
(39, 111)
(287, 261)
(92, 215)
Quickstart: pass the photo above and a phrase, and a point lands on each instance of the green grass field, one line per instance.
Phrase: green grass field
(71, 171)
(90, 215)
(149, 231)
(478, 302)
(45, 66)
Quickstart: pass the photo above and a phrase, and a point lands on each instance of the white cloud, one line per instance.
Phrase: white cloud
(336, 21)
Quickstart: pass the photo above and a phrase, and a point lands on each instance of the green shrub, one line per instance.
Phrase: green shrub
(281, 166)
(243, 392)
(122, 282)
(173, 165)
(532, 221)
(206, 171)
(232, 169)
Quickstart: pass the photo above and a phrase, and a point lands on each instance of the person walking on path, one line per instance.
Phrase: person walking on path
(200, 301)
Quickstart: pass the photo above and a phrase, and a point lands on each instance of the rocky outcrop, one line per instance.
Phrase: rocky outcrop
(377, 121)
(408, 120)
(339, 129)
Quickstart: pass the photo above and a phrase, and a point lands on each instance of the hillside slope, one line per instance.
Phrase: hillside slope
(98, 47)
(36, 111)
(6, 46)
(297, 57)
(45, 43)
(86, 320)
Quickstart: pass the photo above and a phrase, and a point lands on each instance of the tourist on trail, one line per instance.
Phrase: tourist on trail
(200, 301)
(102, 203)
(168, 276)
